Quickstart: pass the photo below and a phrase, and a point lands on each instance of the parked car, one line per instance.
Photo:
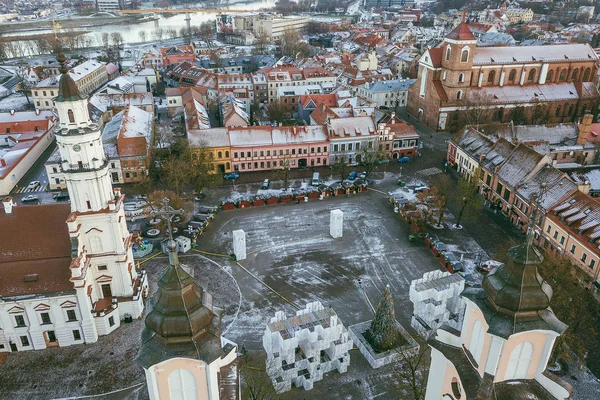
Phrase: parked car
(29, 198)
(134, 205)
(363, 175)
(489, 265)
(352, 175)
(61, 196)
(420, 189)
(404, 159)
(33, 185)
(231, 175)
(266, 184)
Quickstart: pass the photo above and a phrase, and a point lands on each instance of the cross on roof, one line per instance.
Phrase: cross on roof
(168, 212)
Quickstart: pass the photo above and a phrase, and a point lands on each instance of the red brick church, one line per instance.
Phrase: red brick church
(511, 82)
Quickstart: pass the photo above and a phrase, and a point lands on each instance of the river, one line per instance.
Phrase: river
(131, 32)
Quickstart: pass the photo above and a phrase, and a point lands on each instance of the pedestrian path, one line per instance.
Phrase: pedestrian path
(429, 171)
(25, 189)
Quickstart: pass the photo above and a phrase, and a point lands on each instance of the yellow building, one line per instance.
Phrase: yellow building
(518, 15)
(217, 141)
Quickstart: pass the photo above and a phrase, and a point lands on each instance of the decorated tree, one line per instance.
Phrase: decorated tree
(383, 335)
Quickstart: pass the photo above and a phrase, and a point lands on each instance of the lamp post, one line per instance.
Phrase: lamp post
(460, 214)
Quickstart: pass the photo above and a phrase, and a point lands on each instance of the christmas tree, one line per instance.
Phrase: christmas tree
(382, 335)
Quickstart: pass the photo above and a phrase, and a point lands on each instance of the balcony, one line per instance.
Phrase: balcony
(105, 306)
(83, 167)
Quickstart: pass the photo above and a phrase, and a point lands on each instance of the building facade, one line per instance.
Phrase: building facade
(512, 83)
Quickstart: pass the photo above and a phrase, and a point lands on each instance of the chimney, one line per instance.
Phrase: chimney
(584, 187)
(12, 112)
(584, 128)
(8, 205)
(37, 111)
(393, 119)
(2, 162)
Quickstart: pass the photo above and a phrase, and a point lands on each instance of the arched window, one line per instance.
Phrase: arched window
(459, 95)
(575, 75)
(95, 245)
(476, 342)
(571, 107)
(182, 385)
(550, 76)
(511, 75)
(586, 75)
(71, 116)
(519, 362)
(448, 51)
(464, 56)
(557, 112)
(491, 76)
(461, 77)
(584, 108)
(531, 74)
(226, 154)
(220, 154)
(563, 75)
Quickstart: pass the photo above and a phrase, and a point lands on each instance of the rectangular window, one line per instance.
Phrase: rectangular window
(243, 166)
(20, 321)
(71, 315)
(318, 149)
(248, 154)
(262, 164)
(268, 153)
(111, 321)
(102, 268)
(335, 147)
(562, 240)
(488, 180)
(76, 335)
(555, 235)
(312, 149)
(45, 318)
(592, 264)
(549, 229)
(235, 155)
(24, 341)
(51, 336)
(583, 257)
(293, 151)
(499, 188)
(349, 146)
(262, 153)
(256, 154)
(255, 165)
(573, 248)
(357, 147)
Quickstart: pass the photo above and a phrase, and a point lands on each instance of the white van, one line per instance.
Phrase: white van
(315, 180)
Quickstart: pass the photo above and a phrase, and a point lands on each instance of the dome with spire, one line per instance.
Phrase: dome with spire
(180, 324)
(67, 88)
(514, 297)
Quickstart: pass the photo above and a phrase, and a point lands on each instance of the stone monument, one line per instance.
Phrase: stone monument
(336, 223)
(437, 301)
(302, 348)
(239, 244)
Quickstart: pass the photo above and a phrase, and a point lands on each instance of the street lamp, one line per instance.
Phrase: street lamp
(460, 214)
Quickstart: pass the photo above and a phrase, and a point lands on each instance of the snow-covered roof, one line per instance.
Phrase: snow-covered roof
(351, 127)
(250, 136)
(394, 85)
(213, 137)
(84, 69)
(299, 135)
(519, 94)
(137, 123)
(23, 116)
(518, 55)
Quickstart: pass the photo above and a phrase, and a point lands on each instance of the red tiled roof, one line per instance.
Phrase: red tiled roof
(436, 56)
(461, 32)
(42, 246)
(440, 90)
(329, 99)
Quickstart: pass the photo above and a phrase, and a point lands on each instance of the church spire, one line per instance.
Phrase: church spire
(67, 88)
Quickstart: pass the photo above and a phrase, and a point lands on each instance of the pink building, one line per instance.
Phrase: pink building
(259, 148)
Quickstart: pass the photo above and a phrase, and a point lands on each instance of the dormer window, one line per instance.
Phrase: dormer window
(71, 116)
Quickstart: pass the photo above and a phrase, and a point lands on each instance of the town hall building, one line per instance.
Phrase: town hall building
(67, 273)
(511, 82)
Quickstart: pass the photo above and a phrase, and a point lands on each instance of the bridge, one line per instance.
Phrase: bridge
(183, 11)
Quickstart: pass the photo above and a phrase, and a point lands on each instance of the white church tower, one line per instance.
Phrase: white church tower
(103, 270)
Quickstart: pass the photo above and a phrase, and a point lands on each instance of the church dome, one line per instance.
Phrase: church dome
(517, 287)
(67, 88)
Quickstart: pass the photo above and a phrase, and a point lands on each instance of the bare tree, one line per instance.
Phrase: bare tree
(24, 86)
(340, 164)
(371, 155)
(158, 34)
(172, 33)
(276, 111)
(206, 32)
(476, 110)
(261, 45)
(291, 44)
(142, 35)
(411, 373)
(3, 55)
(105, 40)
(283, 170)
(117, 39)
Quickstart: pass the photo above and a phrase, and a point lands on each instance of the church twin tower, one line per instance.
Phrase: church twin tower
(103, 270)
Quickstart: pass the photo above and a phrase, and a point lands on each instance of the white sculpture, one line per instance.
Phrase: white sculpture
(302, 348)
(436, 300)
(239, 244)
(336, 223)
